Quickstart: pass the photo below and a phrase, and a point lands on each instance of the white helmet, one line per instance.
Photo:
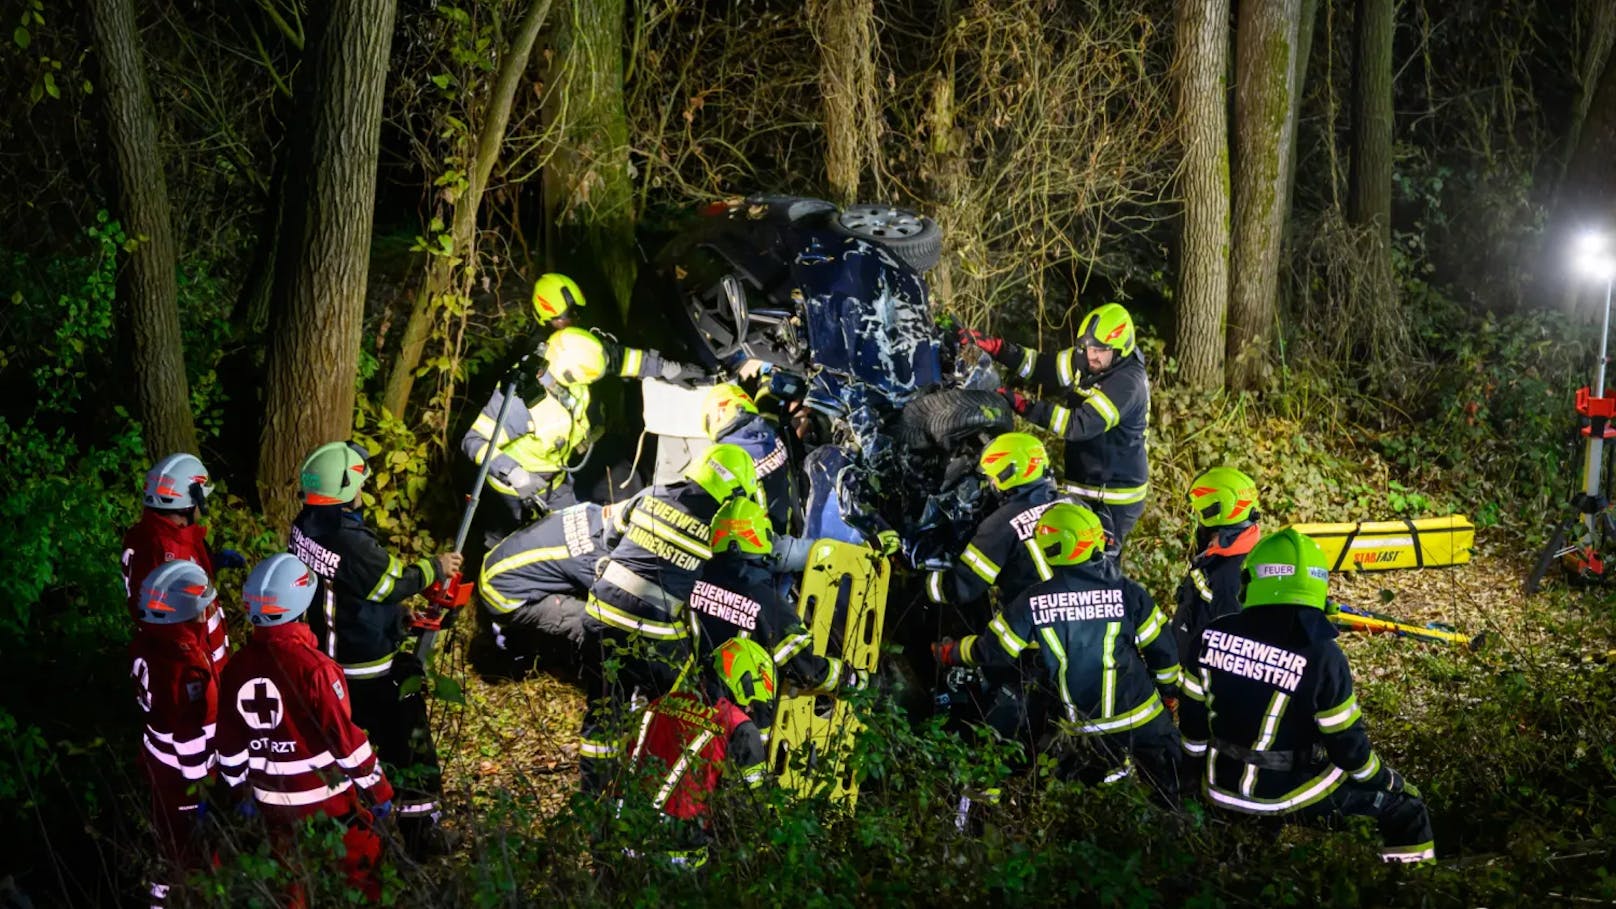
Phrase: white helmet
(178, 482)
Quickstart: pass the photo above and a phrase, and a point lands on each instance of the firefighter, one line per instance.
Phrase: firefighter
(737, 596)
(536, 446)
(1003, 552)
(533, 584)
(636, 608)
(286, 731)
(1224, 502)
(1103, 415)
(175, 498)
(729, 414)
(360, 623)
(1105, 649)
(687, 743)
(177, 688)
(1269, 707)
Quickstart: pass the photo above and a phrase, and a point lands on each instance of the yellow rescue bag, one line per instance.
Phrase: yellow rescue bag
(1383, 545)
(844, 595)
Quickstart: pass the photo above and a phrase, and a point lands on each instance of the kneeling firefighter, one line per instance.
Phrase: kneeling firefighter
(1106, 654)
(360, 622)
(1224, 502)
(1269, 706)
(534, 583)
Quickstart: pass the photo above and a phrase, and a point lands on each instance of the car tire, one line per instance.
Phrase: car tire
(913, 237)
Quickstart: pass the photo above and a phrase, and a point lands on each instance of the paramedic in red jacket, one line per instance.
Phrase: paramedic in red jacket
(177, 689)
(176, 495)
(285, 730)
(686, 745)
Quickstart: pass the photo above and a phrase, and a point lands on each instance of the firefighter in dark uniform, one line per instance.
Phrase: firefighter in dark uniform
(1106, 651)
(1003, 553)
(1103, 415)
(534, 583)
(1224, 502)
(729, 414)
(737, 596)
(687, 744)
(360, 623)
(636, 608)
(539, 440)
(1269, 707)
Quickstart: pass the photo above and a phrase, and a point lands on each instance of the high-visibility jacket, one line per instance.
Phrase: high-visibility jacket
(287, 732)
(768, 450)
(1211, 590)
(647, 581)
(689, 744)
(539, 438)
(1103, 419)
(1001, 553)
(153, 541)
(357, 616)
(1268, 702)
(556, 555)
(736, 596)
(177, 689)
(1103, 643)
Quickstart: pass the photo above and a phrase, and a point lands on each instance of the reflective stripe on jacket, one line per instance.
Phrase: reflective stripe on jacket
(687, 744)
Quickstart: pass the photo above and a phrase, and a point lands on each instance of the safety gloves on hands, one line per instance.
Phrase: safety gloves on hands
(1018, 402)
(228, 558)
(674, 371)
(448, 563)
(1396, 783)
(888, 542)
(947, 653)
(989, 345)
(381, 810)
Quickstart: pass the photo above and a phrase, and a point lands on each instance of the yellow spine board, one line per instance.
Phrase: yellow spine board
(851, 582)
(1384, 545)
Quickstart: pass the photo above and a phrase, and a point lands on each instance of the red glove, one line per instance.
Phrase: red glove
(947, 653)
(991, 346)
(1018, 402)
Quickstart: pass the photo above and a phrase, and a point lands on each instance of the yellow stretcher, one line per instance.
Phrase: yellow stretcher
(1383, 545)
(843, 603)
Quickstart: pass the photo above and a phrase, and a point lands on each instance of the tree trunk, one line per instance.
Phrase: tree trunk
(1265, 61)
(147, 282)
(1203, 274)
(588, 192)
(1369, 193)
(440, 271)
(323, 260)
(845, 33)
(1304, 53)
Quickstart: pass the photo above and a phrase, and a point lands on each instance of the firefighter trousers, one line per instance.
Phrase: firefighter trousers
(622, 673)
(1404, 822)
(1153, 750)
(399, 730)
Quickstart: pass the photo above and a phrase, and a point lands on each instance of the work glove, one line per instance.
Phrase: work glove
(674, 371)
(989, 345)
(381, 810)
(1018, 402)
(517, 478)
(448, 563)
(855, 680)
(228, 558)
(888, 542)
(947, 653)
(247, 807)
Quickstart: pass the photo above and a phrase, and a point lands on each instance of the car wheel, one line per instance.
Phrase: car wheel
(916, 239)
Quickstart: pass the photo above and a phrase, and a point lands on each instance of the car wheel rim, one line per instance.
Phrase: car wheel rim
(881, 223)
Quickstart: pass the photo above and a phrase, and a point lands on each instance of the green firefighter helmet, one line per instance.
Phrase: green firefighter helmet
(1108, 326)
(725, 471)
(333, 474)
(1285, 568)
(746, 670)
(1223, 496)
(725, 406)
(554, 296)
(575, 357)
(1014, 459)
(1069, 534)
(743, 525)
